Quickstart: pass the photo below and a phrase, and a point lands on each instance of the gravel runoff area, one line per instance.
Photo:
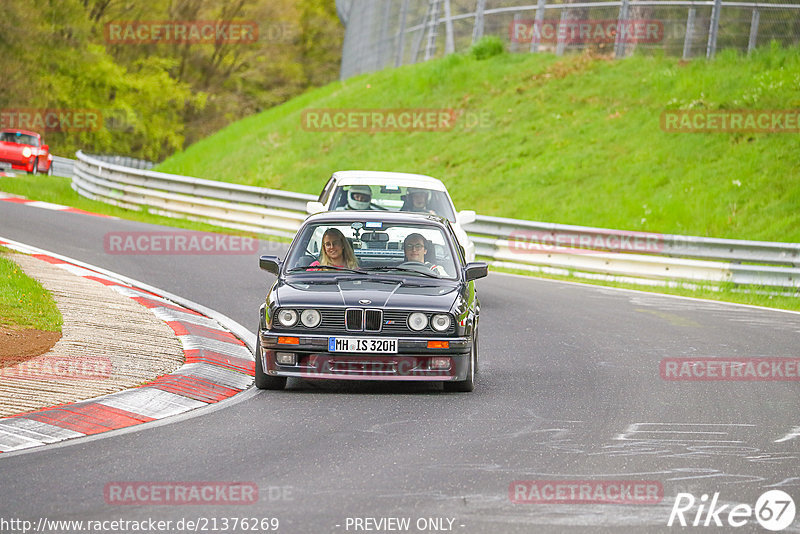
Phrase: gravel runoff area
(109, 343)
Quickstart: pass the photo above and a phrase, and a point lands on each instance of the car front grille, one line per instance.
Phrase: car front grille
(387, 322)
(373, 320)
(354, 319)
(358, 320)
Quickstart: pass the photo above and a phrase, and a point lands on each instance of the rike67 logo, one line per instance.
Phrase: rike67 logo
(774, 510)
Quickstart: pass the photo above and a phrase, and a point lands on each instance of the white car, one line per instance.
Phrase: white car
(394, 191)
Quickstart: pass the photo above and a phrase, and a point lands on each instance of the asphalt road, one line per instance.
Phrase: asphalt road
(569, 389)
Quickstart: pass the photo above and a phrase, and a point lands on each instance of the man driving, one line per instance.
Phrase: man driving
(415, 249)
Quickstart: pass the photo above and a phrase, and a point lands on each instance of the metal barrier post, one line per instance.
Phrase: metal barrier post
(619, 44)
(449, 45)
(751, 44)
(477, 29)
(401, 35)
(687, 40)
(561, 33)
(537, 26)
(711, 50)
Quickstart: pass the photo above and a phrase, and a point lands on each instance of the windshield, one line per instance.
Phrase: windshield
(373, 247)
(394, 198)
(20, 139)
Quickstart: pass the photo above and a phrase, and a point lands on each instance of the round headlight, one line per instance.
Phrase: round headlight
(440, 322)
(287, 317)
(417, 321)
(310, 318)
(26, 152)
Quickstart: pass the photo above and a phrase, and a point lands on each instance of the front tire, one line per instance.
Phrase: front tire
(465, 386)
(35, 169)
(263, 380)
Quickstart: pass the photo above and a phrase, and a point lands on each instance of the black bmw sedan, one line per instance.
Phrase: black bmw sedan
(371, 296)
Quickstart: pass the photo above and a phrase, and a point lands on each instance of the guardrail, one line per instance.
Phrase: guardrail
(63, 166)
(638, 257)
(241, 207)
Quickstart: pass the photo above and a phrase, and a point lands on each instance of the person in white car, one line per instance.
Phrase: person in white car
(417, 200)
(359, 197)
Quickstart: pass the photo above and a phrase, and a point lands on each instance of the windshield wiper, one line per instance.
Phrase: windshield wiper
(320, 267)
(402, 269)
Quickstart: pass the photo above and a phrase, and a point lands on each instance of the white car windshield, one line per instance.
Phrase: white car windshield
(394, 198)
(419, 250)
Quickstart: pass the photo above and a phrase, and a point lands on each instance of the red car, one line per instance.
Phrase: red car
(24, 151)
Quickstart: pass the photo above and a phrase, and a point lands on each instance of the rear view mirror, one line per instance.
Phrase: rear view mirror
(466, 217)
(312, 207)
(271, 264)
(476, 269)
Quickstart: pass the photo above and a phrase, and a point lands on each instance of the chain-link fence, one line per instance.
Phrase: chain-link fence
(386, 33)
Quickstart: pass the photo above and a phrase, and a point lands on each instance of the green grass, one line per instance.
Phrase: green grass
(573, 140)
(24, 303)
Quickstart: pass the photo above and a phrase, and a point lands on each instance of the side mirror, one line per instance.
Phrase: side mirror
(45, 148)
(466, 217)
(271, 264)
(475, 270)
(312, 207)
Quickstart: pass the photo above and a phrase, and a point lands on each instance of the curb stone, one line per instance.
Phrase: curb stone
(218, 365)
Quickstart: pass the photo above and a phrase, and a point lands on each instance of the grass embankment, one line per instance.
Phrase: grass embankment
(573, 140)
(24, 303)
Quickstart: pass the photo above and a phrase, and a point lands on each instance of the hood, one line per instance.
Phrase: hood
(385, 293)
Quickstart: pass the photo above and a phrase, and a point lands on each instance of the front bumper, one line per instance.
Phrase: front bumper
(17, 164)
(413, 361)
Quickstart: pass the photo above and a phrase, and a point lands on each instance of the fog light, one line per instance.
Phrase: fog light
(440, 363)
(438, 344)
(286, 358)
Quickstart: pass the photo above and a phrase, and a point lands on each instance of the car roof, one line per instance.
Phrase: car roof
(388, 178)
(373, 215)
(15, 130)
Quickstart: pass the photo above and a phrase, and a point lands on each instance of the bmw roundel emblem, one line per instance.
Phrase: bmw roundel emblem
(365, 301)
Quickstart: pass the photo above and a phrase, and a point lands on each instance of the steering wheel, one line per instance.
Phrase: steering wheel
(414, 265)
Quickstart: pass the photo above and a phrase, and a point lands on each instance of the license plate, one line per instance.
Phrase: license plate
(5, 166)
(362, 344)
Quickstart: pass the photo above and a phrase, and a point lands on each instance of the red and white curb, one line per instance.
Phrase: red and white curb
(218, 365)
(5, 197)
